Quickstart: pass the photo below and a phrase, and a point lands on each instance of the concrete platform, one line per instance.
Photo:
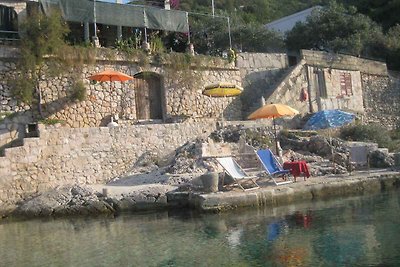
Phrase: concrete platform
(363, 182)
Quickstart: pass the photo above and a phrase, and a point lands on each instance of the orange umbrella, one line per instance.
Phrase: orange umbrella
(110, 76)
(272, 111)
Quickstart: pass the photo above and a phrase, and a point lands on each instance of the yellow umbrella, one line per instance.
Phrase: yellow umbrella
(272, 111)
(222, 89)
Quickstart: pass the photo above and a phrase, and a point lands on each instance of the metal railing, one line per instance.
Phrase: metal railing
(9, 36)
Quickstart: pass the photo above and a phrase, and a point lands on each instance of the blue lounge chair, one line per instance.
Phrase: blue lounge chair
(272, 166)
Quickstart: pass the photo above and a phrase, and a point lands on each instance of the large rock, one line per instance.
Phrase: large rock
(380, 159)
(64, 201)
(319, 145)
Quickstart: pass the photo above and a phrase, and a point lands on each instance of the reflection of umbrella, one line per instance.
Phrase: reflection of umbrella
(328, 119)
(110, 76)
(272, 111)
(222, 90)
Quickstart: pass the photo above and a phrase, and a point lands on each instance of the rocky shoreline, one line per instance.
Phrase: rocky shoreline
(152, 186)
(76, 200)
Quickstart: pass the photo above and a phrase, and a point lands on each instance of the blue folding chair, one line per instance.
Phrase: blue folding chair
(272, 166)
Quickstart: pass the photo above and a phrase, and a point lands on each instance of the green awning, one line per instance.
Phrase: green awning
(119, 14)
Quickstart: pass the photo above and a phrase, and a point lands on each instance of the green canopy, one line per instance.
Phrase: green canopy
(119, 14)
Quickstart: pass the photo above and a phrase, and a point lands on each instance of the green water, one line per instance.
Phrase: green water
(358, 231)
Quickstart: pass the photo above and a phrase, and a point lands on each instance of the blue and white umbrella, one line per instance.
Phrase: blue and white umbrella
(326, 119)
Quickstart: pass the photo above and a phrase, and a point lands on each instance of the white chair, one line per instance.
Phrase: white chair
(359, 157)
(233, 169)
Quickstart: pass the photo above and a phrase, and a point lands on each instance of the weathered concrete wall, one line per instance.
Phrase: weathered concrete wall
(381, 100)
(289, 90)
(335, 99)
(87, 155)
(260, 73)
(318, 70)
(343, 62)
(318, 189)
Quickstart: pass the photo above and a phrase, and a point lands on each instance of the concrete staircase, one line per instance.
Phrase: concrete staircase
(253, 98)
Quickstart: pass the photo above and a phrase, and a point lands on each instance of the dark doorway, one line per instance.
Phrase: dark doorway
(8, 24)
(148, 96)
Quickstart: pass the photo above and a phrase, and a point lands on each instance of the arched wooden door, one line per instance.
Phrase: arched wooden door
(148, 96)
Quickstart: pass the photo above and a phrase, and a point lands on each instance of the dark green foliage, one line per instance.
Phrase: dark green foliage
(78, 91)
(42, 36)
(337, 29)
(211, 36)
(42, 39)
(372, 132)
(346, 26)
(23, 88)
(51, 121)
(385, 12)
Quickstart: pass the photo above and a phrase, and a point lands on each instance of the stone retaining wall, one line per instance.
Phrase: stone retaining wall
(181, 92)
(87, 155)
(260, 73)
(381, 100)
(289, 90)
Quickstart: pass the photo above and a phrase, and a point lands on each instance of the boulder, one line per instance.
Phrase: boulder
(65, 200)
(380, 159)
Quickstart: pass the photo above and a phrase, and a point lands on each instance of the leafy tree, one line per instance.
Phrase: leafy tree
(211, 36)
(337, 29)
(256, 38)
(392, 45)
(384, 12)
(42, 39)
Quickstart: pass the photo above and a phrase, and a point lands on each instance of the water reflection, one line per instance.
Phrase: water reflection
(356, 231)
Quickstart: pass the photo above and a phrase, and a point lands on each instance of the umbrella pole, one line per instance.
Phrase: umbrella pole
(110, 99)
(332, 151)
(276, 136)
(222, 113)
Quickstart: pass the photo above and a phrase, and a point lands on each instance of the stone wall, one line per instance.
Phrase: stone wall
(289, 90)
(88, 155)
(260, 73)
(381, 100)
(182, 92)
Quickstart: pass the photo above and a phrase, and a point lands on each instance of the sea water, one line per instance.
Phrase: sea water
(356, 231)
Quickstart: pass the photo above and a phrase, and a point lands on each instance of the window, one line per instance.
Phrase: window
(321, 86)
(345, 84)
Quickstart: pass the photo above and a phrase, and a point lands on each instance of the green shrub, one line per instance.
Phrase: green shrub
(372, 133)
(157, 46)
(51, 121)
(22, 88)
(78, 91)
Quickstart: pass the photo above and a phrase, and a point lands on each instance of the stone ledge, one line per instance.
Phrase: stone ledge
(307, 191)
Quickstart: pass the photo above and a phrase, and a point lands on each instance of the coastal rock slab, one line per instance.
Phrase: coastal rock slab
(64, 201)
